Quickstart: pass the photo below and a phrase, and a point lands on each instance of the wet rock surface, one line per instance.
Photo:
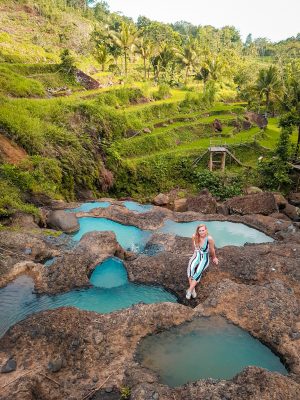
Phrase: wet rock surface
(74, 267)
(68, 353)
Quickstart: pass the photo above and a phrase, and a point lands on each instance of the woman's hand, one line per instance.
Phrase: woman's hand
(215, 260)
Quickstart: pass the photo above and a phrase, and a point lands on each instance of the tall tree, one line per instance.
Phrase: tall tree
(290, 101)
(125, 39)
(102, 55)
(188, 56)
(267, 83)
(145, 48)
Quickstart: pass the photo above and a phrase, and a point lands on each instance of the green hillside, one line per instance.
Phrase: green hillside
(151, 116)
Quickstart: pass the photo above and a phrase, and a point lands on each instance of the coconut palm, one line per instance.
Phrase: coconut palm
(125, 39)
(188, 56)
(145, 48)
(290, 101)
(102, 55)
(268, 83)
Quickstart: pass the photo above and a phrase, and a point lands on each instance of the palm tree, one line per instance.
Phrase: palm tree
(145, 48)
(188, 56)
(267, 83)
(290, 101)
(125, 39)
(162, 60)
(102, 55)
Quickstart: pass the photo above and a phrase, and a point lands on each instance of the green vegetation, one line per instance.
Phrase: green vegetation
(164, 85)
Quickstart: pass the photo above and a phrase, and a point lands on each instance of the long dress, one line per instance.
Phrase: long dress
(199, 261)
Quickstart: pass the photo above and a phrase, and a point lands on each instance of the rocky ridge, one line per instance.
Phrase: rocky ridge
(255, 286)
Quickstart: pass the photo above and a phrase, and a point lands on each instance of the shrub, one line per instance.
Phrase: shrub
(17, 85)
(222, 186)
(163, 92)
(274, 171)
(11, 200)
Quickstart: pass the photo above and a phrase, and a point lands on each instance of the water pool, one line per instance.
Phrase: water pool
(204, 348)
(224, 233)
(130, 237)
(134, 206)
(85, 207)
(111, 291)
(130, 205)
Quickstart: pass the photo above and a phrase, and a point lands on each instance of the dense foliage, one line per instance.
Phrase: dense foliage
(164, 84)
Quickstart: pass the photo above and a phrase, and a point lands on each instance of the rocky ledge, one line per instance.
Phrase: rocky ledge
(72, 354)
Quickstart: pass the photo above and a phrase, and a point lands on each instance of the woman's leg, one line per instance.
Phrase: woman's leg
(196, 276)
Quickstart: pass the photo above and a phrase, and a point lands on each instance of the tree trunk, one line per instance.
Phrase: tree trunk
(125, 54)
(298, 144)
(186, 74)
(267, 100)
(145, 71)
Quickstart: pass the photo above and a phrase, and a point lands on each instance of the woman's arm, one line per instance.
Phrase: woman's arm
(212, 250)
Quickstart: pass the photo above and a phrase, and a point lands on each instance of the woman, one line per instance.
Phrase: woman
(204, 246)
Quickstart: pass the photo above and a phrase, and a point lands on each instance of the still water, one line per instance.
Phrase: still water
(111, 291)
(224, 233)
(204, 348)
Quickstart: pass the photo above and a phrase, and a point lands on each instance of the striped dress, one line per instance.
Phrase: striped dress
(199, 261)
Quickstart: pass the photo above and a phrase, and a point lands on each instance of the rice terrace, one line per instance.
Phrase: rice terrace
(149, 200)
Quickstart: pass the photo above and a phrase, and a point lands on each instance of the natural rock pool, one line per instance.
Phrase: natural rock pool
(204, 348)
(130, 205)
(134, 239)
(224, 233)
(130, 237)
(111, 291)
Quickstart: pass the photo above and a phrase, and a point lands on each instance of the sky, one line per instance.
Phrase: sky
(262, 18)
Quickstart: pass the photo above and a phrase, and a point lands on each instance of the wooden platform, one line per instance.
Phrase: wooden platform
(214, 157)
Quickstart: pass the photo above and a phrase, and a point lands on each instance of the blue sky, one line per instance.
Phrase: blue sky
(263, 18)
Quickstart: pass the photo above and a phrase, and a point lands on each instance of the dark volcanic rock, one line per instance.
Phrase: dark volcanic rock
(291, 212)
(256, 119)
(259, 203)
(294, 199)
(217, 125)
(204, 203)
(161, 200)
(19, 251)
(9, 366)
(75, 266)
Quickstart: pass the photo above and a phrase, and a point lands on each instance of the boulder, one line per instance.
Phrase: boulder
(24, 220)
(161, 200)
(292, 212)
(63, 221)
(280, 200)
(259, 203)
(252, 190)
(131, 133)
(294, 199)
(146, 130)
(85, 80)
(280, 216)
(180, 205)
(217, 125)
(256, 119)
(9, 366)
(246, 125)
(204, 203)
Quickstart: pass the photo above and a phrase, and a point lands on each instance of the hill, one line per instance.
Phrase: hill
(142, 129)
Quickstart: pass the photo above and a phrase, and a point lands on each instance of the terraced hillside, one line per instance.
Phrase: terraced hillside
(168, 152)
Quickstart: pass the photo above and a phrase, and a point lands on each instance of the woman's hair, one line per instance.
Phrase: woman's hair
(197, 234)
